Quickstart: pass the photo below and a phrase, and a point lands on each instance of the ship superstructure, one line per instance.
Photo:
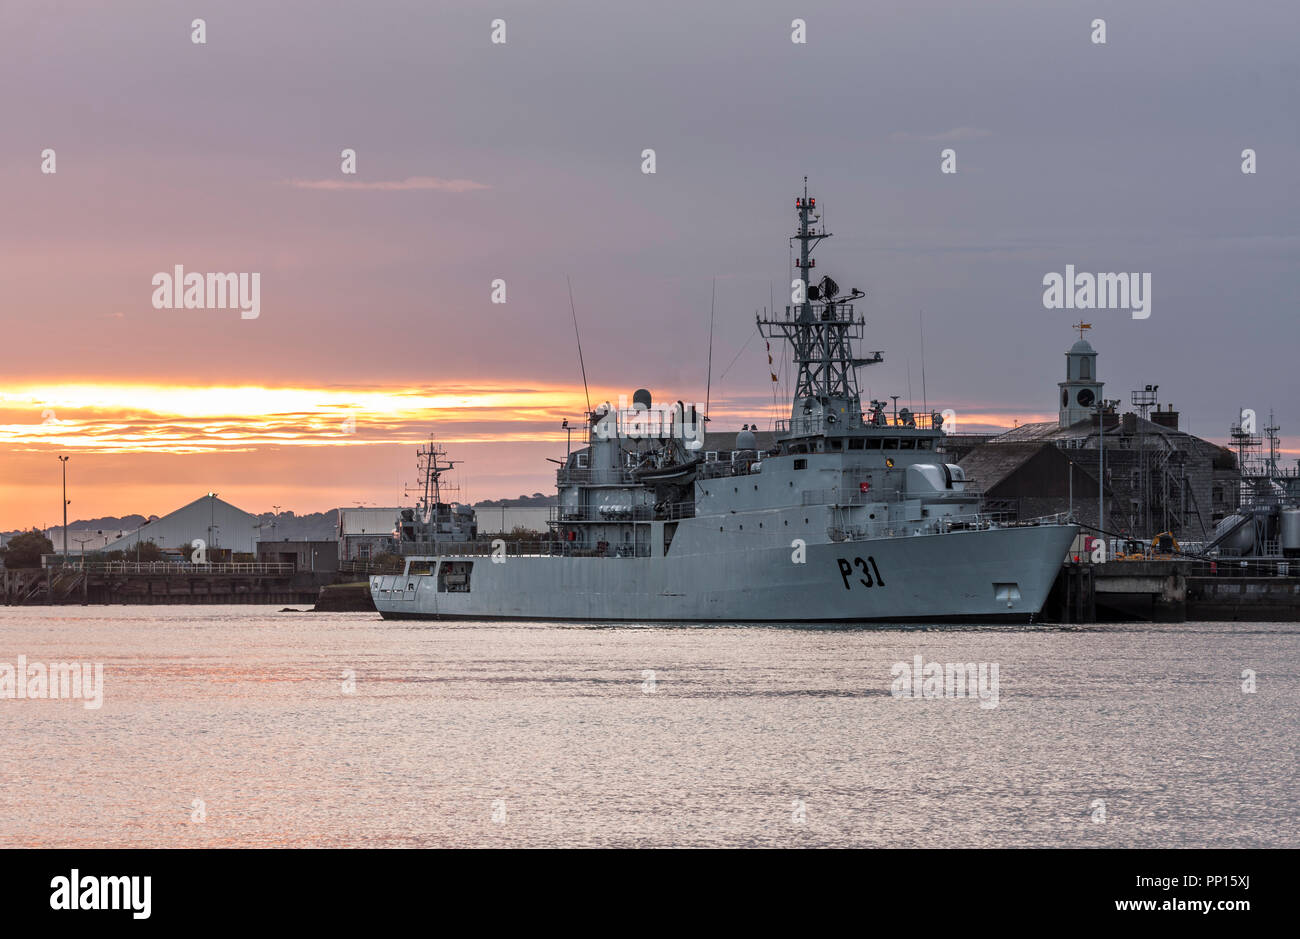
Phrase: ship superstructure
(849, 516)
(433, 522)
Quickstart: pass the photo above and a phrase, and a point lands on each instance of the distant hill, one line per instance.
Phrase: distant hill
(536, 499)
(318, 526)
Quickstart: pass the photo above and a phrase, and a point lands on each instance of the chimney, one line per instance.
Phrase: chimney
(1166, 418)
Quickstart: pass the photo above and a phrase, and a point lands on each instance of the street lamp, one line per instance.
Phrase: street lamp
(212, 518)
(64, 461)
(82, 543)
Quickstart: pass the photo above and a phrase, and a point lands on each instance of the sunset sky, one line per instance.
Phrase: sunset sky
(522, 161)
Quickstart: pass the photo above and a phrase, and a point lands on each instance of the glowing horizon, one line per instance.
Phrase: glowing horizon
(148, 447)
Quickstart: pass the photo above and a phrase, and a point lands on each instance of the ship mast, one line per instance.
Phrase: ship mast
(820, 330)
(431, 463)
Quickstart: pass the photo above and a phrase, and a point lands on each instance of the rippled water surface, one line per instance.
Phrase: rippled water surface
(491, 734)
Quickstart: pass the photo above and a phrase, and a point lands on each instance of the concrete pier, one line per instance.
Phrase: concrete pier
(1175, 591)
(160, 584)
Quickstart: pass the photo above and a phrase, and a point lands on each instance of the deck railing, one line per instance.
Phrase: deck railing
(179, 567)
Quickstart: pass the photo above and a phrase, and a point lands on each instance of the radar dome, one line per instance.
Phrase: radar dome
(745, 440)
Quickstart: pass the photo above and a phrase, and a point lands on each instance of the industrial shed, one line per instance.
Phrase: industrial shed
(215, 522)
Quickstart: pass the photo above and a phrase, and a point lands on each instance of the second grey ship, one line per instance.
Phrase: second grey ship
(851, 516)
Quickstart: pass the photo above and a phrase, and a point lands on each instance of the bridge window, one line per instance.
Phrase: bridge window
(855, 444)
(891, 443)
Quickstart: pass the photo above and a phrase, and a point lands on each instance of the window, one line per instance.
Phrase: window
(907, 444)
(453, 576)
(800, 464)
(891, 443)
(1085, 369)
(855, 444)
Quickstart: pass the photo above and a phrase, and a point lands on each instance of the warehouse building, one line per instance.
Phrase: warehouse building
(1156, 477)
(366, 532)
(215, 522)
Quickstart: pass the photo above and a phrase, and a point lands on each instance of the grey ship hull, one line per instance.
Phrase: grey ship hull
(1001, 575)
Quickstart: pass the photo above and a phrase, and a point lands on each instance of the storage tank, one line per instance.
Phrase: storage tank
(1290, 532)
(1242, 541)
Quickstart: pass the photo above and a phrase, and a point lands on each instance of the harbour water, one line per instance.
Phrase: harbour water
(245, 726)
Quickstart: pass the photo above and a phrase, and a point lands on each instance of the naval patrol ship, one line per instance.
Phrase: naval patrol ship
(850, 516)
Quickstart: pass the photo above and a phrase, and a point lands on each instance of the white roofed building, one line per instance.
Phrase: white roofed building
(364, 533)
(84, 540)
(217, 523)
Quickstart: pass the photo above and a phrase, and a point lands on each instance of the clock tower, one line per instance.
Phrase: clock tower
(1081, 389)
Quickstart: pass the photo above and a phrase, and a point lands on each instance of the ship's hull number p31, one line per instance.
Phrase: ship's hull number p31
(863, 570)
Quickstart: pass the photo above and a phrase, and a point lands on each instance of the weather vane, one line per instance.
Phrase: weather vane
(1081, 326)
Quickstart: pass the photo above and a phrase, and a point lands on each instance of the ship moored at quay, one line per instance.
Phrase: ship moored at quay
(852, 515)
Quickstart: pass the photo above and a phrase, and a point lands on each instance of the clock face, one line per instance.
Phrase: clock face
(1085, 397)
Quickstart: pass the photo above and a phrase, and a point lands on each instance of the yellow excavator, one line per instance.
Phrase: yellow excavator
(1164, 547)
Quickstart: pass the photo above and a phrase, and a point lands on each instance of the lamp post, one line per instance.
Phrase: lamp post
(82, 543)
(64, 460)
(568, 436)
(212, 519)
